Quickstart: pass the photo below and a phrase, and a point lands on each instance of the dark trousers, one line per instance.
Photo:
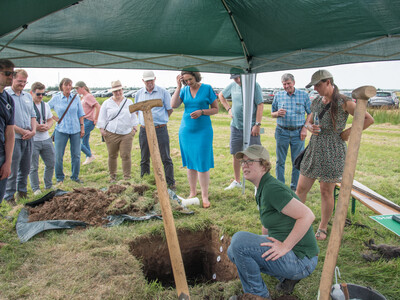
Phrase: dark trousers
(163, 145)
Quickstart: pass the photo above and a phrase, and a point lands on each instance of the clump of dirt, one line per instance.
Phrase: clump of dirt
(204, 254)
(92, 205)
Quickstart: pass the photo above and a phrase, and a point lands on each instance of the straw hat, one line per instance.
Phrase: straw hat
(115, 86)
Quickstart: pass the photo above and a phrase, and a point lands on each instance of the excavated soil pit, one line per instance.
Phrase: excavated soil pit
(204, 255)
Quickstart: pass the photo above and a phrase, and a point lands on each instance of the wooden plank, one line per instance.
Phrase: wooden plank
(374, 204)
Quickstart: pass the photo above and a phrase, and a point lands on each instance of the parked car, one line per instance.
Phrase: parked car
(99, 93)
(268, 95)
(106, 94)
(384, 99)
(130, 94)
(348, 94)
(313, 95)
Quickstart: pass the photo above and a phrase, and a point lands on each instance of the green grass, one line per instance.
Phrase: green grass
(96, 264)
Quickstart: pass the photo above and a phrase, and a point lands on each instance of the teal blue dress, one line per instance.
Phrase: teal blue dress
(196, 135)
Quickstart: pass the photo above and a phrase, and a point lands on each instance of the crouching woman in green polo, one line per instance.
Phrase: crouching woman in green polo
(287, 248)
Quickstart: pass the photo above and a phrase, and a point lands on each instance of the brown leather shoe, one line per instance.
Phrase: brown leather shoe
(21, 195)
(12, 202)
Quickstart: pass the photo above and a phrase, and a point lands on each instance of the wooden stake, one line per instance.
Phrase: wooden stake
(362, 94)
(168, 219)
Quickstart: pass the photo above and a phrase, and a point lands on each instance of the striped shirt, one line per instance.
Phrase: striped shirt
(296, 105)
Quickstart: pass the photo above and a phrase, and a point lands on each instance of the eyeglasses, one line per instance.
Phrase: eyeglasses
(8, 73)
(248, 162)
(40, 94)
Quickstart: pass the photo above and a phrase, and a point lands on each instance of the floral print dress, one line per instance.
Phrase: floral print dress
(326, 152)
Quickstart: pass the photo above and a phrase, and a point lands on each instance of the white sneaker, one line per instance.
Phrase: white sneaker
(37, 192)
(234, 184)
(88, 160)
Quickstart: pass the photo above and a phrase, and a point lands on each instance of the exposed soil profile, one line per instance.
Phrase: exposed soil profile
(204, 255)
(93, 205)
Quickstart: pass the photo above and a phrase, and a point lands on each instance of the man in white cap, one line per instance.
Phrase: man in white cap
(234, 90)
(160, 118)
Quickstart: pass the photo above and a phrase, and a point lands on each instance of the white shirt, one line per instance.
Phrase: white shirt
(42, 136)
(123, 123)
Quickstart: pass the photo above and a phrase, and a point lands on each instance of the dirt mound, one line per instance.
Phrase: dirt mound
(92, 205)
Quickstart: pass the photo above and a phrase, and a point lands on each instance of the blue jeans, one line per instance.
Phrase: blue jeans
(4, 181)
(20, 167)
(85, 147)
(46, 151)
(245, 252)
(284, 138)
(60, 142)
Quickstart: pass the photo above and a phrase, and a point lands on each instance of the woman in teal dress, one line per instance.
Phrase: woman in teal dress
(195, 132)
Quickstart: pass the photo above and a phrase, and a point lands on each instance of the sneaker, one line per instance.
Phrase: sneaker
(59, 183)
(11, 201)
(172, 187)
(234, 184)
(89, 160)
(37, 192)
(77, 180)
(286, 286)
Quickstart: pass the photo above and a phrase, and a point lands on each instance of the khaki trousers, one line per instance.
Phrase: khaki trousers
(121, 143)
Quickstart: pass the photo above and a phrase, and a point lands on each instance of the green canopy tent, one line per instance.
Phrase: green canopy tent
(207, 35)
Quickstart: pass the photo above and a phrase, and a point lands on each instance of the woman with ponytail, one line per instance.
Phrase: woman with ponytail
(325, 156)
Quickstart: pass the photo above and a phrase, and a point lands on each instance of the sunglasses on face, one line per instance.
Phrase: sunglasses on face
(40, 94)
(248, 162)
(8, 73)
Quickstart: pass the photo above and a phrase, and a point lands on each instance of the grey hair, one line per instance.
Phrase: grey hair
(286, 77)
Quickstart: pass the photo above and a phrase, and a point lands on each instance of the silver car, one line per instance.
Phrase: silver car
(384, 99)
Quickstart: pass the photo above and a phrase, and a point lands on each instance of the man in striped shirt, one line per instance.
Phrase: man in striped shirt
(289, 107)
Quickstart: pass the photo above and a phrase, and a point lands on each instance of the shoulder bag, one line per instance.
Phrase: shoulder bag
(299, 158)
(62, 117)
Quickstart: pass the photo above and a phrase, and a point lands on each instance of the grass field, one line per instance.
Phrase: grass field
(96, 263)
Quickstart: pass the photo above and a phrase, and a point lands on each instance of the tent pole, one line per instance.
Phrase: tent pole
(362, 94)
(248, 86)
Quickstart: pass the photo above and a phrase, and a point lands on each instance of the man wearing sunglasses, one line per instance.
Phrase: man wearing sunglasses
(6, 124)
(25, 129)
(42, 143)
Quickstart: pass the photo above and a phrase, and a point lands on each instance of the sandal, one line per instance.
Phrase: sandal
(318, 234)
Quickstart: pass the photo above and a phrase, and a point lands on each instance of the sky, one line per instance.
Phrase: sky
(383, 75)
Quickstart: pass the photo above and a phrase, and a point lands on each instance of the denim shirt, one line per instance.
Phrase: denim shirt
(70, 124)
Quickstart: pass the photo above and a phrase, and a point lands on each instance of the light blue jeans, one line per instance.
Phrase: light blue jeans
(245, 252)
(284, 139)
(46, 151)
(85, 146)
(60, 142)
(20, 166)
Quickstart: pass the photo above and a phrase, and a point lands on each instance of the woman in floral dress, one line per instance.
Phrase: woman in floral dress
(325, 156)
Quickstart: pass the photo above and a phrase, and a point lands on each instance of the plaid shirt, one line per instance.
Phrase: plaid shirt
(296, 105)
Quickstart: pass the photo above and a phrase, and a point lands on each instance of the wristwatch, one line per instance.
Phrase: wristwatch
(257, 123)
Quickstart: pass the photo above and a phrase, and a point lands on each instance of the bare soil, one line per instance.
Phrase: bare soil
(93, 205)
(204, 255)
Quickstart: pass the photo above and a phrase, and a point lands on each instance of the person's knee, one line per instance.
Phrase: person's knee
(237, 240)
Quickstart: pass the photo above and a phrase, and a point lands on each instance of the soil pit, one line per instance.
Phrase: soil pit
(204, 255)
(93, 205)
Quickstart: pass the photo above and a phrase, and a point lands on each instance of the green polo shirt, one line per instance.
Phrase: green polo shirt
(272, 196)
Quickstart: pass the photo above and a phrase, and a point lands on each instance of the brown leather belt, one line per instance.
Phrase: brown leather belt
(156, 127)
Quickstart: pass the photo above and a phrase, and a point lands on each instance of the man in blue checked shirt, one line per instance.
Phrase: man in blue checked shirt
(289, 107)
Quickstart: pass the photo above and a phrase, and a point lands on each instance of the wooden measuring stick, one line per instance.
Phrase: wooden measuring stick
(362, 94)
(168, 219)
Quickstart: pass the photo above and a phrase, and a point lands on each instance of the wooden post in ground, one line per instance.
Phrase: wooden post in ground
(168, 219)
(362, 94)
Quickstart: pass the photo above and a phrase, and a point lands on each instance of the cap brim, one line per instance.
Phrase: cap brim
(239, 155)
(148, 78)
